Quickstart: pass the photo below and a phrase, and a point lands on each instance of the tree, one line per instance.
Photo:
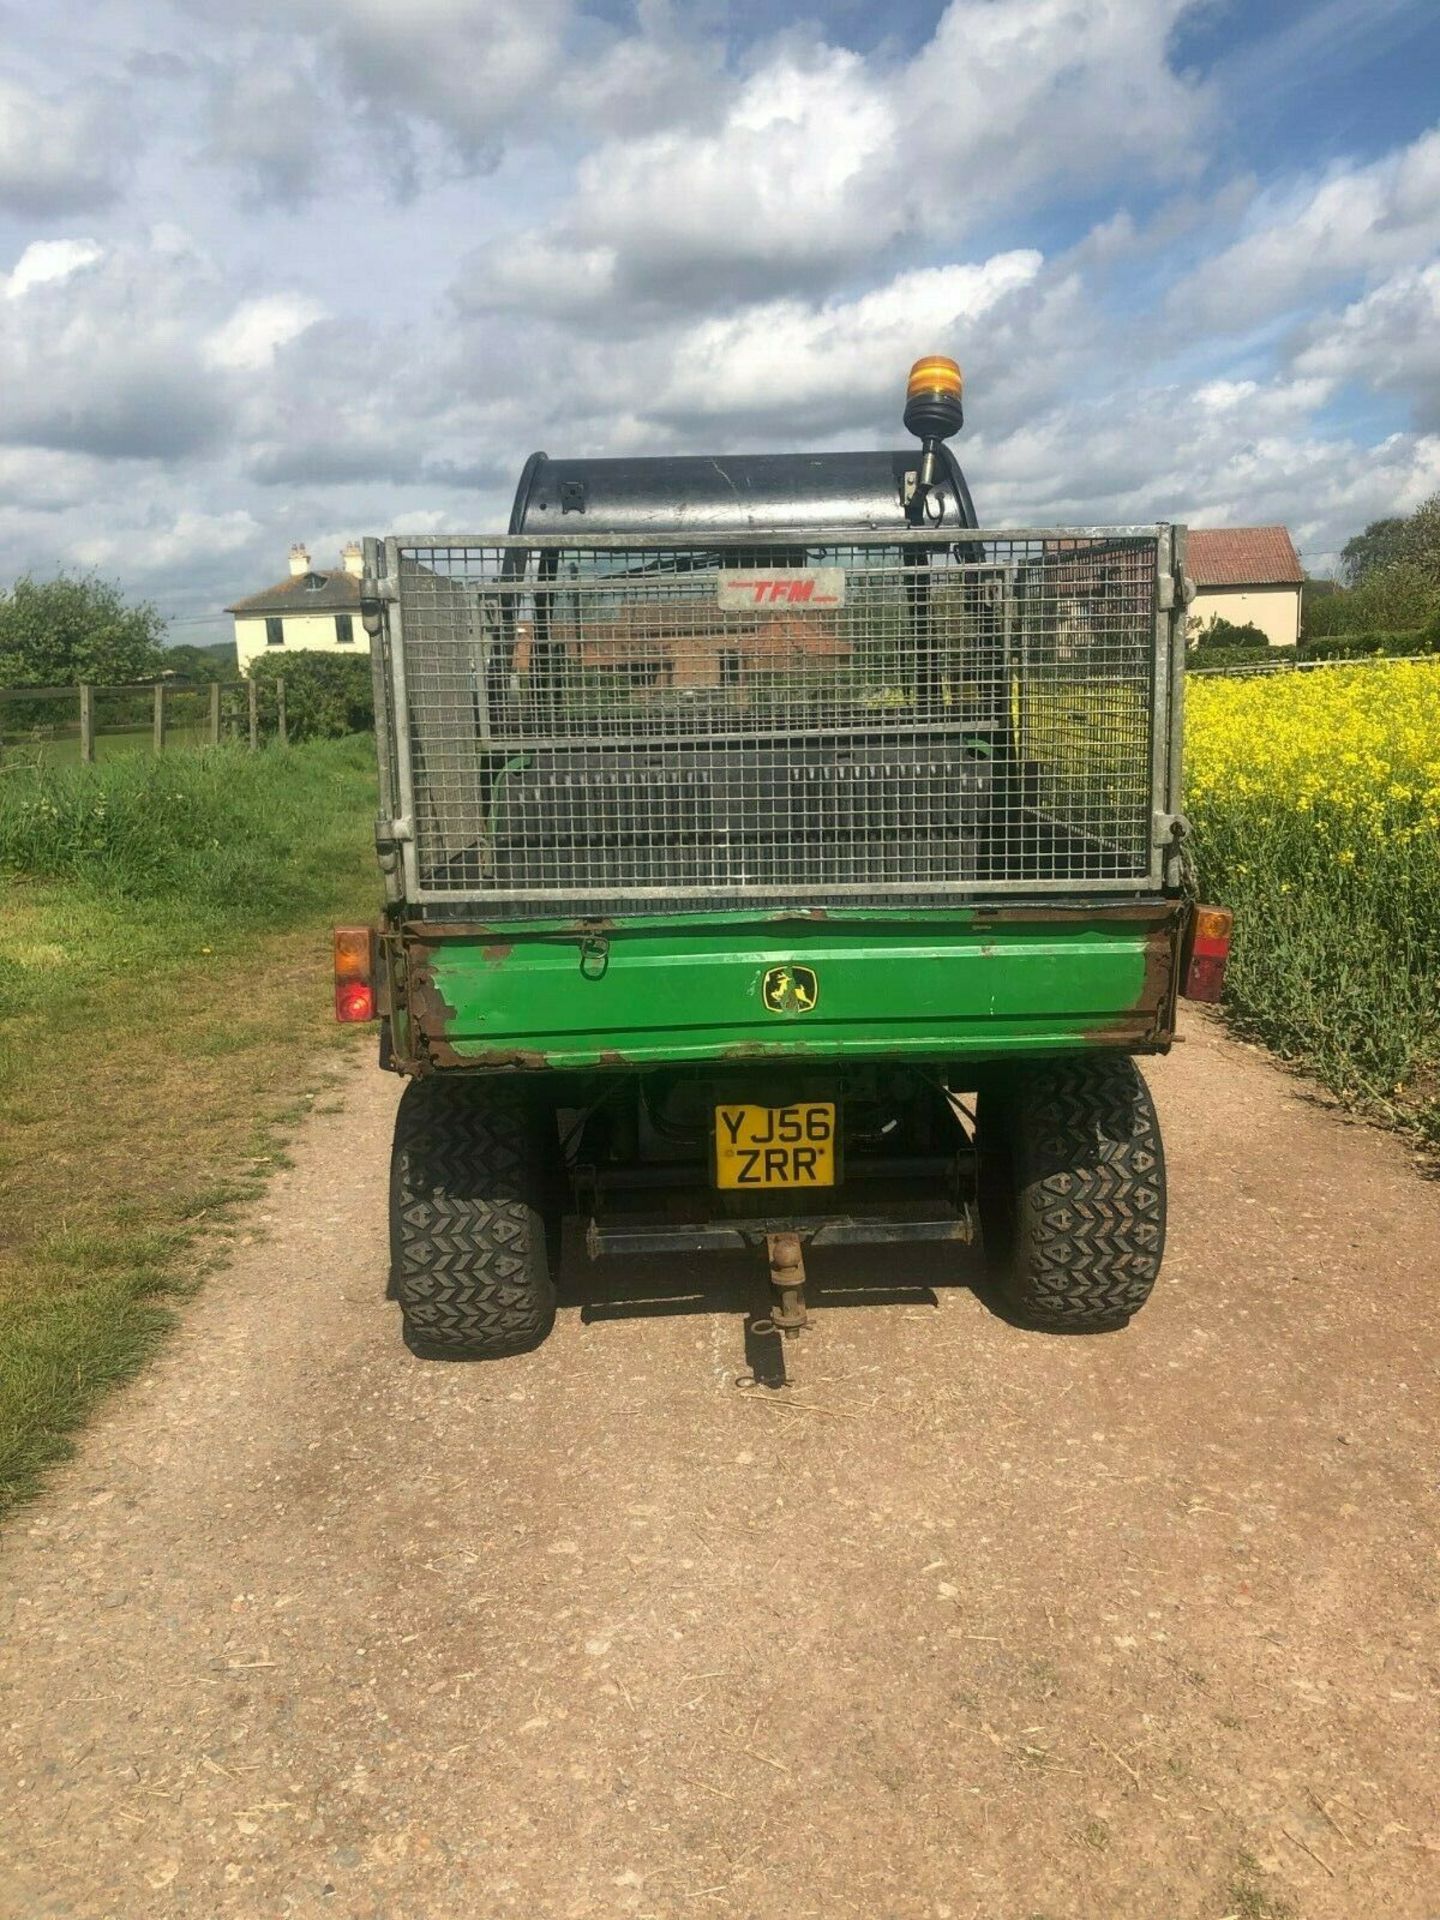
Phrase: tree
(77, 627)
(1380, 545)
(1225, 633)
(188, 662)
(326, 694)
(1420, 543)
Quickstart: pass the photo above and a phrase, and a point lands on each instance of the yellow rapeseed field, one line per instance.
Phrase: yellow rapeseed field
(1360, 743)
(1315, 799)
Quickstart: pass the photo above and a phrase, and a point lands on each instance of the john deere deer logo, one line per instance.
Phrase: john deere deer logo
(790, 989)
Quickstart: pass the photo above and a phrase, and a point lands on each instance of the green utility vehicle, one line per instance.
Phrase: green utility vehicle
(775, 858)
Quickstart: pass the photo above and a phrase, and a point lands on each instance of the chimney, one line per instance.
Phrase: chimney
(353, 556)
(299, 560)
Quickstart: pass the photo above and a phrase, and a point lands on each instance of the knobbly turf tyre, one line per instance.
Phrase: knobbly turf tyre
(1071, 1192)
(474, 1220)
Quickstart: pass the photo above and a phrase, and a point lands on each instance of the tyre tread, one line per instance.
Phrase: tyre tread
(1089, 1193)
(469, 1256)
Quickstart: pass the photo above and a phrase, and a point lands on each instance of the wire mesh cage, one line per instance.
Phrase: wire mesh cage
(879, 717)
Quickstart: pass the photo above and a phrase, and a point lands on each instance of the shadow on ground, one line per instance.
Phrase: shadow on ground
(736, 1285)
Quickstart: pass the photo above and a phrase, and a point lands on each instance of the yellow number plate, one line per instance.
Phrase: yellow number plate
(759, 1147)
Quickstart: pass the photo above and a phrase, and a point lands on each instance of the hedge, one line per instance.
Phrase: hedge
(1357, 646)
(1221, 659)
(327, 695)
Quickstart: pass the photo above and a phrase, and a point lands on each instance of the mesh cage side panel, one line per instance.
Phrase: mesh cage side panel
(692, 725)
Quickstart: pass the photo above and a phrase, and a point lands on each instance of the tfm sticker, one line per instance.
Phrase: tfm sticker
(781, 589)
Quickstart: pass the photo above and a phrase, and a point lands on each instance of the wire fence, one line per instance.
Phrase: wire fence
(868, 718)
(60, 726)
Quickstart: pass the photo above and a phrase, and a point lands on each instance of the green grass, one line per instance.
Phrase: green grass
(1249, 1899)
(1335, 967)
(63, 749)
(164, 1017)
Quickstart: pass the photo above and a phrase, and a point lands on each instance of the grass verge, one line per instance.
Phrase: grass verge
(164, 1016)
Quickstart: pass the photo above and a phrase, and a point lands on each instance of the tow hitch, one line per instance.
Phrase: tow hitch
(788, 1312)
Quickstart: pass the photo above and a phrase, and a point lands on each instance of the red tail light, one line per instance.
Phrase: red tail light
(1207, 953)
(354, 992)
(355, 1001)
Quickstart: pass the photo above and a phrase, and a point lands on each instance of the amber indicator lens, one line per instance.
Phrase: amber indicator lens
(354, 994)
(1209, 954)
(935, 374)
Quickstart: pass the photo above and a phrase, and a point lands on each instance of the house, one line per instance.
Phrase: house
(690, 644)
(315, 609)
(1247, 575)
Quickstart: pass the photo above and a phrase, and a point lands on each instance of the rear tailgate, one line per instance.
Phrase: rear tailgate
(976, 982)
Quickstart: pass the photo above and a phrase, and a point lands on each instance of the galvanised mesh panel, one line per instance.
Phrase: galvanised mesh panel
(871, 720)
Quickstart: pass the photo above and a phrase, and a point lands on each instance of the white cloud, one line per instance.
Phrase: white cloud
(691, 241)
(1236, 453)
(792, 177)
(257, 329)
(45, 482)
(536, 274)
(1388, 340)
(473, 69)
(46, 261)
(470, 71)
(1027, 93)
(818, 162)
(104, 361)
(59, 155)
(187, 539)
(1354, 223)
(269, 117)
(837, 359)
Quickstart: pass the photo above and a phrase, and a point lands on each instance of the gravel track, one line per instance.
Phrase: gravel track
(966, 1621)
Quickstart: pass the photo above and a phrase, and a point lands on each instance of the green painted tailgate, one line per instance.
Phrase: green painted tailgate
(974, 982)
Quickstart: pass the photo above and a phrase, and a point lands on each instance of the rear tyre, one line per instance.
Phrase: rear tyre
(473, 1220)
(1071, 1192)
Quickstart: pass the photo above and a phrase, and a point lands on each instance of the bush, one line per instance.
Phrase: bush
(1220, 659)
(327, 695)
(56, 633)
(1225, 633)
(1362, 646)
(1390, 600)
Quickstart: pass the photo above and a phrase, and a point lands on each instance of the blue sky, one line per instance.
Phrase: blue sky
(276, 272)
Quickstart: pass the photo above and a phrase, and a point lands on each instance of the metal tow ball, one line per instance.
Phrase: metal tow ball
(788, 1312)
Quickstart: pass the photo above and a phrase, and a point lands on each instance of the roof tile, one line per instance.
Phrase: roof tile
(340, 593)
(1242, 557)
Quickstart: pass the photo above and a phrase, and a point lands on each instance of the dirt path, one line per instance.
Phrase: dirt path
(967, 1622)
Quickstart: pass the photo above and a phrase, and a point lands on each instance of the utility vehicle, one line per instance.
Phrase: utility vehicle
(776, 858)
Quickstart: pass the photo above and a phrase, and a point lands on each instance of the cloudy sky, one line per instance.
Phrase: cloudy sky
(277, 270)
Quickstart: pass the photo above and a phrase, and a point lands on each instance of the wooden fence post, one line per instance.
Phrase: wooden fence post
(280, 726)
(253, 696)
(214, 713)
(87, 724)
(158, 735)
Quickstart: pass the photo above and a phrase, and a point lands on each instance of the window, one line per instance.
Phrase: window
(344, 629)
(274, 631)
